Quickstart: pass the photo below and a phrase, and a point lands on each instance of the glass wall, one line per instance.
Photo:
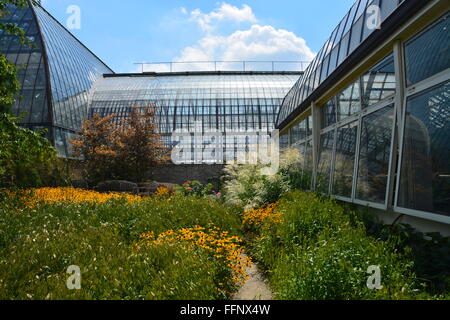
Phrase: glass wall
(325, 161)
(345, 160)
(429, 52)
(73, 71)
(31, 104)
(425, 167)
(356, 137)
(346, 37)
(55, 59)
(374, 155)
(240, 109)
(389, 149)
(425, 174)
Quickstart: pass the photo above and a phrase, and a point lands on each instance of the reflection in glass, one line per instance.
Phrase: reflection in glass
(379, 82)
(428, 53)
(347, 37)
(235, 105)
(345, 160)
(325, 160)
(425, 174)
(308, 167)
(284, 141)
(329, 113)
(349, 101)
(374, 155)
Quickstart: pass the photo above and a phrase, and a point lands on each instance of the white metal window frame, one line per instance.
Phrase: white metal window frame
(358, 117)
(413, 90)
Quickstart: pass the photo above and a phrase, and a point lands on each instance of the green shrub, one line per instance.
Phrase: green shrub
(247, 187)
(194, 188)
(321, 251)
(38, 245)
(27, 159)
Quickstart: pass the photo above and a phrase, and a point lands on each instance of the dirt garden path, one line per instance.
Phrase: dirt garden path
(255, 288)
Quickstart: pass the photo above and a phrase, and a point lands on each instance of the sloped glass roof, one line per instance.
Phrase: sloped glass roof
(354, 28)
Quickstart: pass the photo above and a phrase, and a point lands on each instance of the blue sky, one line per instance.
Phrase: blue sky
(123, 32)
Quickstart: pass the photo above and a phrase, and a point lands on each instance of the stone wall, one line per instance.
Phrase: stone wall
(178, 174)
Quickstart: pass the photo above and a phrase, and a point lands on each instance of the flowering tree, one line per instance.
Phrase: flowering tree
(95, 146)
(126, 150)
(138, 145)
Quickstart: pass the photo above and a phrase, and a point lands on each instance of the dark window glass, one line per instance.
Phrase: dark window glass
(325, 159)
(345, 160)
(429, 53)
(284, 141)
(366, 30)
(329, 113)
(308, 166)
(349, 101)
(387, 7)
(344, 48)
(425, 174)
(356, 34)
(379, 82)
(374, 155)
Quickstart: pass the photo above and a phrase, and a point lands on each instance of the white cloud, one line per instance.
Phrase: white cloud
(259, 43)
(226, 12)
(256, 43)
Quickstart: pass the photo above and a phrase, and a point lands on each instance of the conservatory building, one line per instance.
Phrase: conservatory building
(371, 115)
(63, 83)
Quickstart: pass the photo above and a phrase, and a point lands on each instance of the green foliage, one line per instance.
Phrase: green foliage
(250, 187)
(430, 252)
(194, 188)
(246, 186)
(321, 251)
(38, 245)
(12, 28)
(27, 159)
(9, 85)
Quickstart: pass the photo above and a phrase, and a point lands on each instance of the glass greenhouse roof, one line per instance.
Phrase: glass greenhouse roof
(353, 29)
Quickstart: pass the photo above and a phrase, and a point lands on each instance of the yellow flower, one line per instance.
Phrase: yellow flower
(257, 217)
(34, 197)
(222, 247)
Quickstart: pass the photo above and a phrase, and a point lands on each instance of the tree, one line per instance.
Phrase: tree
(95, 146)
(126, 151)
(26, 157)
(139, 146)
(9, 85)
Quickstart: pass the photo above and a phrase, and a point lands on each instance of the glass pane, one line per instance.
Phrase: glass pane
(356, 34)
(308, 171)
(420, 64)
(325, 159)
(329, 113)
(425, 175)
(379, 82)
(349, 101)
(374, 155)
(345, 160)
(284, 141)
